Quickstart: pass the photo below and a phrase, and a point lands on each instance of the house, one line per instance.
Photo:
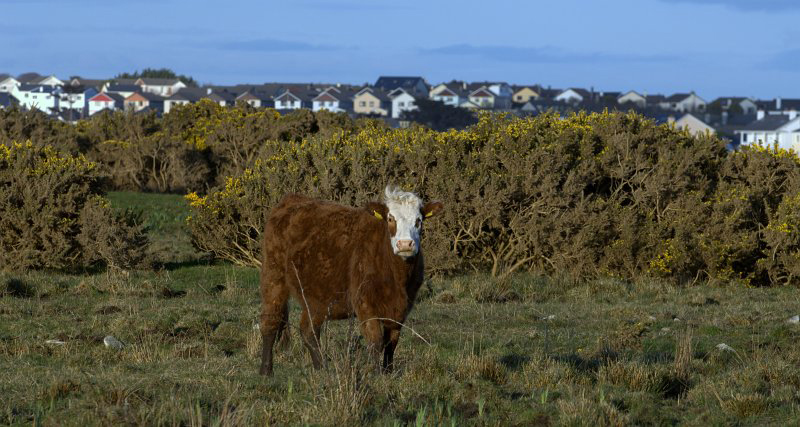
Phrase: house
(733, 105)
(416, 86)
(8, 83)
(402, 101)
(183, 96)
(371, 101)
(47, 81)
(124, 90)
(523, 94)
(501, 94)
(632, 98)
(255, 98)
(69, 115)
(43, 98)
(28, 77)
(294, 98)
(105, 101)
(574, 96)
(783, 129)
(684, 102)
(778, 106)
(163, 87)
(452, 93)
(76, 98)
(7, 100)
(335, 99)
(80, 81)
(694, 125)
(482, 97)
(145, 100)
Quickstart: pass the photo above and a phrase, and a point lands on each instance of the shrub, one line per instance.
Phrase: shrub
(53, 215)
(594, 194)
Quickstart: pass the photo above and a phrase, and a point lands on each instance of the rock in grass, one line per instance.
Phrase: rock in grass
(55, 342)
(794, 319)
(112, 342)
(725, 347)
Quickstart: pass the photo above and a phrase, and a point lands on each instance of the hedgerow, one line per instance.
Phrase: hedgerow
(594, 194)
(53, 214)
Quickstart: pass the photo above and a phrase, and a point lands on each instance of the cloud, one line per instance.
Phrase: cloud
(542, 54)
(273, 45)
(748, 5)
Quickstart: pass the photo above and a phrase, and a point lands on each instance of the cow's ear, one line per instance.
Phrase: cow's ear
(432, 208)
(378, 210)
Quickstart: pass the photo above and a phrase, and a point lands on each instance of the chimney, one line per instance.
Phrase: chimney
(778, 104)
(208, 91)
(760, 115)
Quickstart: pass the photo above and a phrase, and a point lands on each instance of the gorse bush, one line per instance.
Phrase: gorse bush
(595, 194)
(53, 215)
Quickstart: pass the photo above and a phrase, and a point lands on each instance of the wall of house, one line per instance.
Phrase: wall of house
(401, 103)
(569, 96)
(449, 100)
(326, 105)
(171, 103)
(525, 95)
(95, 106)
(368, 103)
(8, 85)
(634, 98)
(287, 104)
(45, 102)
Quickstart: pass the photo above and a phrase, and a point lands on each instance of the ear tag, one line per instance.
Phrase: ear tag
(377, 215)
(429, 214)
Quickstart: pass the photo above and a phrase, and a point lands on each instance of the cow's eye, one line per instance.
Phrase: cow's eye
(418, 223)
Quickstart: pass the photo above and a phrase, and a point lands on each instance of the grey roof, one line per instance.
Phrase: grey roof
(152, 97)
(188, 94)
(153, 81)
(678, 97)
(25, 87)
(88, 82)
(123, 88)
(580, 91)
(377, 92)
(654, 99)
(125, 81)
(388, 83)
(28, 77)
(769, 122)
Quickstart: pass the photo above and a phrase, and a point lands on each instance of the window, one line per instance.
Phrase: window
(372, 103)
(401, 104)
(744, 137)
(362, 104)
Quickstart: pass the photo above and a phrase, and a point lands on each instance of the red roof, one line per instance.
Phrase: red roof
(482, 93)
(101, 97)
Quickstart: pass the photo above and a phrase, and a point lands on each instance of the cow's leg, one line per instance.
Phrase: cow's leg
(391, 334)
(311, 329)
(274, 315)
(373, 332)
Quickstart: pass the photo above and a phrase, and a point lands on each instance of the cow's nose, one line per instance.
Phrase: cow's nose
(405, 245)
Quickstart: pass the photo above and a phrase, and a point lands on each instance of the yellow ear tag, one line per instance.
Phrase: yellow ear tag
(377, 215)
(429, 214)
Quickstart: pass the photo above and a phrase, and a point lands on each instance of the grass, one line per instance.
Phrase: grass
(530, 350)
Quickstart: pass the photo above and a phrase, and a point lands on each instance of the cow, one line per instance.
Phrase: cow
(338, 262)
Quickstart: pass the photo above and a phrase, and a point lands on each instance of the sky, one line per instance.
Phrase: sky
(713, 47)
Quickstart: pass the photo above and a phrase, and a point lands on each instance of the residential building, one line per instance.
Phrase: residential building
(733, 105)
(144, 100)
(632, 98)
(452, 93)
(43, 98)
(163, 87)
(105, 101)
(8, 83)
(402, 101)
(124, 90)
(574, 96)
(183, 96)
(371, 101)
(783, 129)
(523, 94)
(693, 124)
(335, 99)
(684, 103)
(501, 94)
(416, 86)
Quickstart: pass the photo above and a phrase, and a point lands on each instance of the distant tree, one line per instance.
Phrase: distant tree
(440, 116)
(160, 73)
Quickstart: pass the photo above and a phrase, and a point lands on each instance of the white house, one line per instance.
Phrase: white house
(104, 101)
(573, 96)
(694, 125)
(771, 128)
(333, 99)
(163, 87)
(746, 105)
(182, 97)
(449, 93)
(632, 97)
(8, 84)
(48, 81)
(402, 101)
(288, 101)
(43, 98)
(684, 103)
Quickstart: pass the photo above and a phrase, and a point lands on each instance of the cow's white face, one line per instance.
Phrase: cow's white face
(405, 216)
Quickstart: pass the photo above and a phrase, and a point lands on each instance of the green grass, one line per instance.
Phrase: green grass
(528, 351)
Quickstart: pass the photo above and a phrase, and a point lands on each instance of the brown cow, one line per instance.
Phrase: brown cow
(338, 262)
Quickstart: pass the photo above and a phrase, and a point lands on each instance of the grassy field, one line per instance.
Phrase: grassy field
(531, 350)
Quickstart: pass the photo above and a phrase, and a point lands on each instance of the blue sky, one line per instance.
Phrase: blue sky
(714, 47)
